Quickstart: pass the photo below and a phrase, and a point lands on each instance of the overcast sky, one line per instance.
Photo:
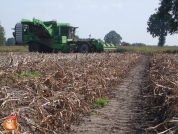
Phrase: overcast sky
(96, 17)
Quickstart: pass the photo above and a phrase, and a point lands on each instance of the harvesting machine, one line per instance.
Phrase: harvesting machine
(51, 36)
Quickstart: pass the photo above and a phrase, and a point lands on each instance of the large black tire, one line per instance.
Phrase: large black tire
(93, 49)
(84, 48)
(46, 49)
(34, 47)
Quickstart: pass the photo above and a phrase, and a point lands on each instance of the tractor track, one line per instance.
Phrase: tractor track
(125, 113)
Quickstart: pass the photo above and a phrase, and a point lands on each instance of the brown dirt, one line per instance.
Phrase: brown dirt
(125, 112)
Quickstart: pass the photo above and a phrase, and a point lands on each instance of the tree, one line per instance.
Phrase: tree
(10, 41)
(122, 43)
(138, 44)
(169, 7)
(2, 36)
(113, 37)
(158, 28)
(125, 44)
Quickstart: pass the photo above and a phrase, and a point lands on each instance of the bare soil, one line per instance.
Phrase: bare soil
(125, 112)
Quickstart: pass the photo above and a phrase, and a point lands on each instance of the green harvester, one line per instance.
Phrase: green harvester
(51, 36)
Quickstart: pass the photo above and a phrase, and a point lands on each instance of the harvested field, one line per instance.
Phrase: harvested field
(162, 93)
(55, 93)
(50, 92)
(125, 114)
(145, 103)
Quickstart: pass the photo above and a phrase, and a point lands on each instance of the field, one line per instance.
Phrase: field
(13, 48)
(65, 93)
(121, 49)
(148, 49)
(163, 90)
(57, 88)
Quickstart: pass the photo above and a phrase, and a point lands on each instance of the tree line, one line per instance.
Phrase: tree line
(3, 41)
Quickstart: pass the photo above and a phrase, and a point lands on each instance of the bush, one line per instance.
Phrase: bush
(125, 44)
(138, 44)
(101, 102)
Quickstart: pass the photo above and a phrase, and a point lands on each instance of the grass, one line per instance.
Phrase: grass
(27, 74)
(93, 113)
(121, 49)
(147, 49)
(32, 74)
(101, 102)
(13, 49)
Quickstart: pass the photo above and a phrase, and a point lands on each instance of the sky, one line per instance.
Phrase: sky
(96, 17)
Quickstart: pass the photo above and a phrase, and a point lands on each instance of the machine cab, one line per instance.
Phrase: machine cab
(67, 31)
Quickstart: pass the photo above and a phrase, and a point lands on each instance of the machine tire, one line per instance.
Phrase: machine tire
(55, 51)
(94, 49)
(84, 48)
(34, 47)
(46, 49)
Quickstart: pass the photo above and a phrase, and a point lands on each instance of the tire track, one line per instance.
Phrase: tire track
(124, 114)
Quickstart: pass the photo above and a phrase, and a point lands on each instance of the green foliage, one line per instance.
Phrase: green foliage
(15, 77)
(125, 44)
(171, 51)
(147, 49)
(158, 28)
(138, 44)
(26, 74)
(2, 36)
(10, 41)
(122, 49)
(93, 113)
(13, 49)
(30, 74)
(101, 102)
(169, 7)
(113, 37)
